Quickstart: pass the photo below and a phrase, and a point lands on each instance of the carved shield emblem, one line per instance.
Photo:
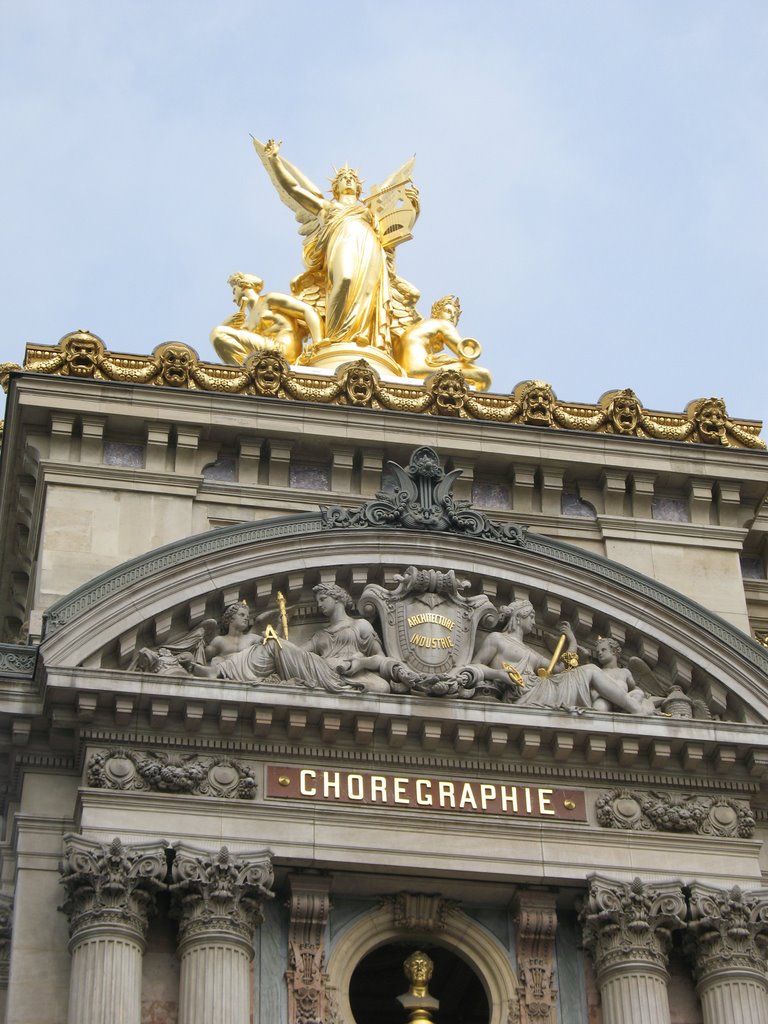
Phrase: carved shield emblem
(426, 621)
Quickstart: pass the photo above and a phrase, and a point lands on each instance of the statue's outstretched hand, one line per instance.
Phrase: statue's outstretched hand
(272, 147)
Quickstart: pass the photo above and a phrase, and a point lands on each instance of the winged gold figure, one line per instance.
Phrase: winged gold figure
(347, 241)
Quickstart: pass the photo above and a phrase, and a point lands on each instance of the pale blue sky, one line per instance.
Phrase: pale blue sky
(593, 175)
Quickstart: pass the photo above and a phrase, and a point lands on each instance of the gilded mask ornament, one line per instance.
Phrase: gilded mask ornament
(538, 403)
(176, 361)
(82, 353)
(710, 417)
(624, 412)
(359, 383)
(450, 391)
(268, 370)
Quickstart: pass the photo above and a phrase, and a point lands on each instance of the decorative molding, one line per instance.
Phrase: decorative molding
(111, 886)
(536, 925)
(664, 812)
(630, 924)
(163, 773)
(18, 661)
(267, 374)
(728, 931)
(423, 499)
(219, 894)
(420, 911)
(309, 906)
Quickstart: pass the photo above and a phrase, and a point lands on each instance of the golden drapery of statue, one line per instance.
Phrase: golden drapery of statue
(349, 302)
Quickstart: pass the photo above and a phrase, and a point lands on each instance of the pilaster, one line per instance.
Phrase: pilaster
(628, 931)
(536, 925)
(306, 979)
(110, 894)
(728, 940)
(218, 903)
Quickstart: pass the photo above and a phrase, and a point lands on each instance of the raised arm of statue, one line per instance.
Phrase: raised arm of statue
(293, 187)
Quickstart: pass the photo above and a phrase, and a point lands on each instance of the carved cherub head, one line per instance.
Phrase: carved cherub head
(176, 360)
(267, 370)
(447, 308)
(537, 400)
(359, 383)
(607, 649)
(623, 408)
(82, 352)
(450, 390)
(710, 415)
(346, 182)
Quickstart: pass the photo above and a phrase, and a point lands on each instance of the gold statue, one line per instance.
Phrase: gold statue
(348, 277)
(420, 348)
(417, 1000)
(273, 321)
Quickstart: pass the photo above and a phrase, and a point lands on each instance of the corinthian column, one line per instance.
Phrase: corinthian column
(110, 893)
(727, 937)
(627, 930)
(218, 902)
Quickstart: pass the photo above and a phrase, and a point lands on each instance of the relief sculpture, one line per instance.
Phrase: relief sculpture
(423, 636)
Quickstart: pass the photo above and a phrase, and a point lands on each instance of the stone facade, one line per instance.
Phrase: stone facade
(399, 770)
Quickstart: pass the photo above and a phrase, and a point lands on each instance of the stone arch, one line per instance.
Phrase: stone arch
(458, 932)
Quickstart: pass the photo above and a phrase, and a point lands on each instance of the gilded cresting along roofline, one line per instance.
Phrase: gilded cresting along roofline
(432, 494)
(267, 374)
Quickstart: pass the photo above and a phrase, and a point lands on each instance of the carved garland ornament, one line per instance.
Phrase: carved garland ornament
(662, 812)
(158, 772)
(174, 364)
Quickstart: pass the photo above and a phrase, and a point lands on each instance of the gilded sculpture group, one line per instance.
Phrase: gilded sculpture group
(347, 656)
(349, 302)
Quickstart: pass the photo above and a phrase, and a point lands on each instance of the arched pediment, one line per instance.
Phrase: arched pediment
(153, 600)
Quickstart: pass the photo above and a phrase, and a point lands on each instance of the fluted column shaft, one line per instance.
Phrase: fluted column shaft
(627, 930)
(110, 893)
(727, 938)
(218, 903)
(215, 982)
(105, 983)
(634, 993)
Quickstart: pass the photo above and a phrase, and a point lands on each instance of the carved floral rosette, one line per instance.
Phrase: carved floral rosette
(662, 812)
(128, 770)
(111, 884)
(220, 893)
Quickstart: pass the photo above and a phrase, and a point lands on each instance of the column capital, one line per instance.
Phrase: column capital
(629, 924)
(220, 895)
(728, 931)
(110, 887)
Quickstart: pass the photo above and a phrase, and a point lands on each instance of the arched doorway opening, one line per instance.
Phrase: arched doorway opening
(378, 979)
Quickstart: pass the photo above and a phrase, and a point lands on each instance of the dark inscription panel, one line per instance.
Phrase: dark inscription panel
(424, 792)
